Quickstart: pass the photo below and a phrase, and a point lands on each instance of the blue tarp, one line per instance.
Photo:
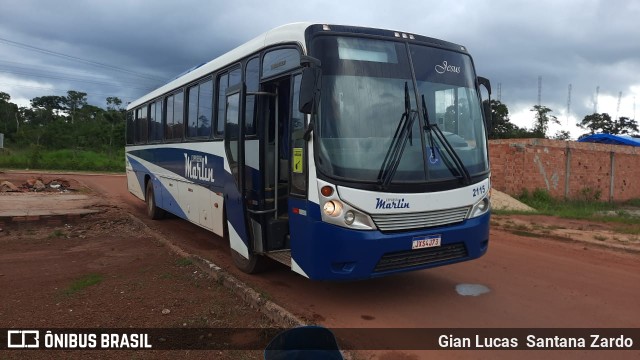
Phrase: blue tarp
(611, 139)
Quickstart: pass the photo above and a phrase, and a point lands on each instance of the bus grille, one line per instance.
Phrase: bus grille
(411, 258)
(421, 220)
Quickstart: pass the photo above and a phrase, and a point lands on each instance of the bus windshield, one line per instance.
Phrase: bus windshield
(363, 98)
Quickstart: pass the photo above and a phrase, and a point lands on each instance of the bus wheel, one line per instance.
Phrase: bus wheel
(254, 264)
(153, 211)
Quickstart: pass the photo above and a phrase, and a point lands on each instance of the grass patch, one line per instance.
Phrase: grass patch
(184, 262)
(83, 283)
(56, 234)
(526, 233)
(66, 159)
(167, 276)
(587, 207)
(633, 202)
(627, 229)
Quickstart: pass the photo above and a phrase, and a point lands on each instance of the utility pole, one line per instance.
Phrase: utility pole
(539, 90)
(499, 91)
(618, 107)
(595, 101)
(568, 104)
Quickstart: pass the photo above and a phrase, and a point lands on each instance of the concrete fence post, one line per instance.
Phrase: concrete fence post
(567, 173)
(612, 176)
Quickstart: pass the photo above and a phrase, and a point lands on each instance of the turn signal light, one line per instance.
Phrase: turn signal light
(326, 191)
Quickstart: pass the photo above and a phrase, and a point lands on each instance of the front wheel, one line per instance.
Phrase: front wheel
(154, 212)
(254, 264)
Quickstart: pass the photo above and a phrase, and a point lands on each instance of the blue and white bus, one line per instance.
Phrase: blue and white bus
(343, 152)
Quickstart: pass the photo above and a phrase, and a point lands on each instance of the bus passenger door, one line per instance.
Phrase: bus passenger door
(239, 237)
(266, 166)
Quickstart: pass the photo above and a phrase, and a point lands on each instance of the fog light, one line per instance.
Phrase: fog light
(349, 217)
(482, 206)
(332, 208)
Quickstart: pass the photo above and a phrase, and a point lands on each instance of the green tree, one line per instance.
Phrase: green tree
(75, 100)
(603, 123)
(541, 122)
(503, 128)
(562, 135)
(624, 125)
(114, 103)
(9, 113)
(45, 109)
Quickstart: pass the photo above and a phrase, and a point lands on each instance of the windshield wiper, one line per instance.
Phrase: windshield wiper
(457, 162)
(398, 143)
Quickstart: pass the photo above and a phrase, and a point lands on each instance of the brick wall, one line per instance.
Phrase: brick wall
(565, 168)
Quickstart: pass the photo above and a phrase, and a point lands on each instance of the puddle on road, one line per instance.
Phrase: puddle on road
(471, 289)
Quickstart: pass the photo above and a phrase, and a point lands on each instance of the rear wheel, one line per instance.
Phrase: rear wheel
(153, 211)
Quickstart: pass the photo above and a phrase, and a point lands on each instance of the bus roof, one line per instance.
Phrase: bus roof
(287, 33)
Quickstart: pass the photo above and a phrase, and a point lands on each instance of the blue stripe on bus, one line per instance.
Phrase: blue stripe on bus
(164, 198)
(176, 161)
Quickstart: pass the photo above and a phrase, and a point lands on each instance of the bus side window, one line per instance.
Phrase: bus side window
(130, 128)
(155, 121)
(252, 79)
(168, 126)
(142, 125)
(223, 83)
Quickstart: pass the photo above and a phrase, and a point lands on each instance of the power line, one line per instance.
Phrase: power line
(75, 58)
(57, 90)
(53, 70)
(71, 79)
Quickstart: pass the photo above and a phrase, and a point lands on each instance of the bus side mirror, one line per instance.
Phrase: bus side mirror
(486, 83)
(486, 104)
(310, 84)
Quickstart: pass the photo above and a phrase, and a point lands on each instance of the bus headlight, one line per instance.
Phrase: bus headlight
(332, 208)
(349, 217)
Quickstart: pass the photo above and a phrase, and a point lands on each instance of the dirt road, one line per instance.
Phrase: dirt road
(532, 282)
(102, 272)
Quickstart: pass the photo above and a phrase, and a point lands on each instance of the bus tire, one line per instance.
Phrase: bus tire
(154, 212)
(254, 264)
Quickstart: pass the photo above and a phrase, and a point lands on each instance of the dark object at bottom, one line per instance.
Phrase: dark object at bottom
(307, 342)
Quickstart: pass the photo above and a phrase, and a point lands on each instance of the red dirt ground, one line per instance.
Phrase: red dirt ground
(139, 279)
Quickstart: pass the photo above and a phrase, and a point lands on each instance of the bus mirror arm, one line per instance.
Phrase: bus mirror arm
(486, 104)
(309, 61)
(307, 132)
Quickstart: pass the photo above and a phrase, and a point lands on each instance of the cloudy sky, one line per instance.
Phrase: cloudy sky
(126, 48)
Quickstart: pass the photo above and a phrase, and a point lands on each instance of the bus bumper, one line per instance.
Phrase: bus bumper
(330, 252)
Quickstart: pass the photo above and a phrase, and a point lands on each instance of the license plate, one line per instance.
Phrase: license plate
(426, 242)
